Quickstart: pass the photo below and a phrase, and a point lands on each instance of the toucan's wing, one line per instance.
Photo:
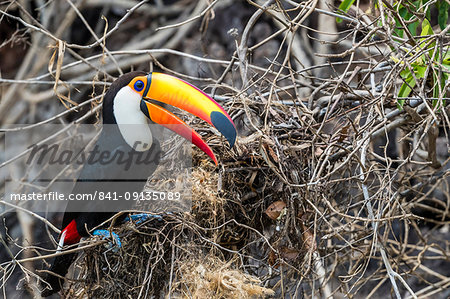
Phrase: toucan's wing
(109, 178)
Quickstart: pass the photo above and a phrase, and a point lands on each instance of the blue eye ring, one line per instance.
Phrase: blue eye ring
(139, 85)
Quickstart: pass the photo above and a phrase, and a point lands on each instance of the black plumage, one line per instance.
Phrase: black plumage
(103, 177)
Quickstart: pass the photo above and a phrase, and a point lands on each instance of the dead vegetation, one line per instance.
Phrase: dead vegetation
(330, 190)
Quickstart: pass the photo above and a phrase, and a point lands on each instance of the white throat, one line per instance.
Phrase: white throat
(133, 124)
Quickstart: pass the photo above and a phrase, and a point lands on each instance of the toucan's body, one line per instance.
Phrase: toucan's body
(107, 178)
(129, 101)
(79, 220)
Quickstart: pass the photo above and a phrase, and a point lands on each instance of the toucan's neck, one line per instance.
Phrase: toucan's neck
(132, 123)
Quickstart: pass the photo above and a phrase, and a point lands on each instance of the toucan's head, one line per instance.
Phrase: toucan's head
(134, 98)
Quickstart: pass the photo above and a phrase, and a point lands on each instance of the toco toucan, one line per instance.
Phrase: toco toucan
(134, 99)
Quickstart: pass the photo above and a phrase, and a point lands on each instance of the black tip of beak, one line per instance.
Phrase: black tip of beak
(225, 126)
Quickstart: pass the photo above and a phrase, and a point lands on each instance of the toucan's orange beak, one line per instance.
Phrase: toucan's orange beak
(175, 92)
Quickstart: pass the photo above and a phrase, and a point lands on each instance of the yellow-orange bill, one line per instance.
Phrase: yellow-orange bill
(178, 93)
(170, 121)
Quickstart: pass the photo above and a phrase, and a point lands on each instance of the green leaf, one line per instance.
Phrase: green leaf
(426, 28)
(405, 90)
(406, 87)
(420, 71)
(446, 58)
(398, 31)
(405, 15)
(400, 104)
(405, 74)
(345, 6)
(437, 90)
(413, 27)
(403, 12)
(442, 7)
(428, 13)
(445, 75)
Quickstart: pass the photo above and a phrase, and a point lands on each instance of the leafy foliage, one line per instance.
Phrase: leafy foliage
(427, 67)
(426, 62)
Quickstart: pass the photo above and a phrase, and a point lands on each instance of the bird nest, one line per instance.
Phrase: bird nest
(170, 255)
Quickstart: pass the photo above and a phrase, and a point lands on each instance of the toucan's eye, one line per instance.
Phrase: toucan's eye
(139, 85)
